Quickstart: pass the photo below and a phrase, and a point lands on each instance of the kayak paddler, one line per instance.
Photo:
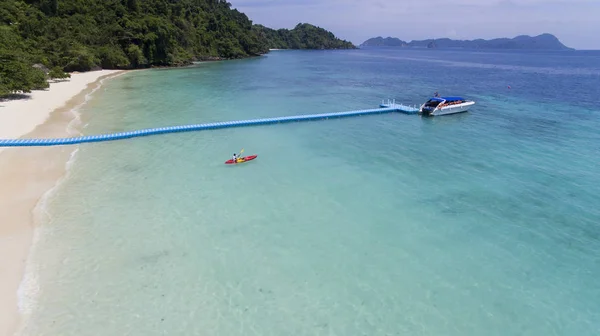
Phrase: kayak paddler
(238, 157)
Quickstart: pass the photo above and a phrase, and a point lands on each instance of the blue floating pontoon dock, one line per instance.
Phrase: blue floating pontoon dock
(384, 108)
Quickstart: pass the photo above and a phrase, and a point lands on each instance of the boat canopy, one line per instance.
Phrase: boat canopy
(448, 99)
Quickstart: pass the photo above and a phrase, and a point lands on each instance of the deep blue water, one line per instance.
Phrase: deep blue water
(484, 223)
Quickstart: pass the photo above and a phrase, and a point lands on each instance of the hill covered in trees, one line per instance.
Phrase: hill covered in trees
(77, 35)
(303, 36)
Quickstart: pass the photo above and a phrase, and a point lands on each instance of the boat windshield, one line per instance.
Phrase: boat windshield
(432, 103)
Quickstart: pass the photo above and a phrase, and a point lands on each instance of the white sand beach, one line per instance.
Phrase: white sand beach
(21, 116)
(26, 174)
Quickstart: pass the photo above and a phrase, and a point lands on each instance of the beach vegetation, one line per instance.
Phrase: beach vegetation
(58, 73)
(17, 71)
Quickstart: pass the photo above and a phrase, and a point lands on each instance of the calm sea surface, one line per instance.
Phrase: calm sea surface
(484, 223)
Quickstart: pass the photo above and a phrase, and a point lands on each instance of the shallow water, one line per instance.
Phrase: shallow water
(480, 223)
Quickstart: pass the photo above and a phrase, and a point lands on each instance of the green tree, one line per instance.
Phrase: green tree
(112, 57)
(136, 56)
(16, 68)
(80, 58)
(133, 5)
(58, 73)
(19, 76)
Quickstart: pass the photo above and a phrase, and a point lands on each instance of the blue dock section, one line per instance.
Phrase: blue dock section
(399, 107)
(393, 107)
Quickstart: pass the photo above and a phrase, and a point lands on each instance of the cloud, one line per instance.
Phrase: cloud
(572, 21)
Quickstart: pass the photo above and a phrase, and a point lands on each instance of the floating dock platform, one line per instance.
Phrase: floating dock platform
(407, 109)
(384, 108)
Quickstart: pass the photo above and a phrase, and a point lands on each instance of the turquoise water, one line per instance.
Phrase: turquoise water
(485, 223)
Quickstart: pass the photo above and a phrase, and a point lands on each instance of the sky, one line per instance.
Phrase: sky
(576, 23)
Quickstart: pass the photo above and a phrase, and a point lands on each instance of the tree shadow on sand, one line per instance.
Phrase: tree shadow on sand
(14, 96)
(27, 96)
(57, 80)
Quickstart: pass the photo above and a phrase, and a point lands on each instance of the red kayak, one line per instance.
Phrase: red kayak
(242, 159)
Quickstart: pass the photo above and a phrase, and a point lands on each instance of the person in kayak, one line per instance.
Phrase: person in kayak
(235, 157)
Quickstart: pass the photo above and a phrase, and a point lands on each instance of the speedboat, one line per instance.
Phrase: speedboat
(445, 105)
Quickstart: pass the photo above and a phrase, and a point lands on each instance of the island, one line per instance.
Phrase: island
(303, 36)
(540, 42)
(45, 38)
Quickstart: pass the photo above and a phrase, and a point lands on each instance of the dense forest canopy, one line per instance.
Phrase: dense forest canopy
(82, 35)
(303, 36)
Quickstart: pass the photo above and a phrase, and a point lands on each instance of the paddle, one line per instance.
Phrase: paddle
(240, 155)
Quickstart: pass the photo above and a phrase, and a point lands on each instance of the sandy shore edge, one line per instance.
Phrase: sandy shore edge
(28, 174)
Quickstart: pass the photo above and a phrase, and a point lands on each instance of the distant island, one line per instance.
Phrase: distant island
(540, 42)
(42, 39)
